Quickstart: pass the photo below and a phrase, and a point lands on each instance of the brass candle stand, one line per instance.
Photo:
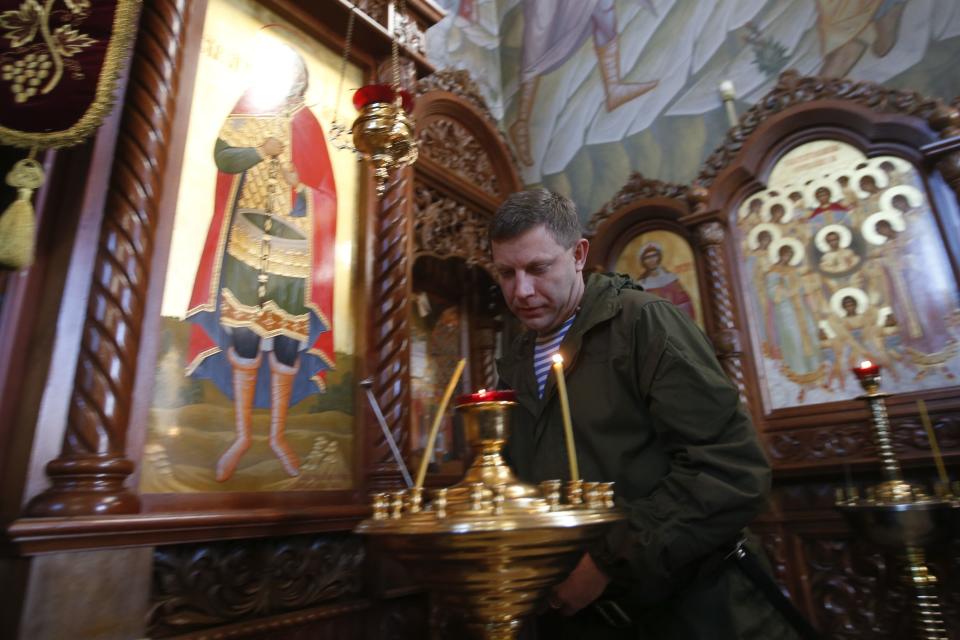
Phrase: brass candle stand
(490, 547)
(900, 516)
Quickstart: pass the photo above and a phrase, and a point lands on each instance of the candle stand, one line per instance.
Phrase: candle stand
(490, 547)
(901, 517)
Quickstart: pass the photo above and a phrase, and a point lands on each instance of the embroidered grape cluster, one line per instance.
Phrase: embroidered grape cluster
(26, 74)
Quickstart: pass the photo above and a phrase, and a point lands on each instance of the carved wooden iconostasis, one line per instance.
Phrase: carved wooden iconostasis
(213, 433)
(825, 233)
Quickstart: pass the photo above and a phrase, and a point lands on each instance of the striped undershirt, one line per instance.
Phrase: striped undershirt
(547, 345)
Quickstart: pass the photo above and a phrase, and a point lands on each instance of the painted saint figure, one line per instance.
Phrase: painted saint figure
(658, 280)
(834, 243)
(832, 210)
(797, 334)
(263, 294)
(553, 31)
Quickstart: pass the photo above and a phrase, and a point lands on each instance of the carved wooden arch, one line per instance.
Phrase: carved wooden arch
(435, 210)
(643, 204)
(857, 110)
(812, 447)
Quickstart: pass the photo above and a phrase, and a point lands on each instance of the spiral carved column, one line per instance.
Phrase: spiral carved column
(723, 330)
(88, 476)
(390, 328)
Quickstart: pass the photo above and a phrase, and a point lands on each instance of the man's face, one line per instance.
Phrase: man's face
(541, 281)
(833, 240)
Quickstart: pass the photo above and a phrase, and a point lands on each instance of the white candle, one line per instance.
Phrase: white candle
(565, 410)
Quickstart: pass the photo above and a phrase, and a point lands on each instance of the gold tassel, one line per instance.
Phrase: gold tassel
(18, 223)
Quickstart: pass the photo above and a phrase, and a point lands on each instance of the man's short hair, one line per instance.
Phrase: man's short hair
(524, 210)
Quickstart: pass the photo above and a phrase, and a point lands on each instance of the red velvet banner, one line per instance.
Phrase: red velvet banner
(59, 61)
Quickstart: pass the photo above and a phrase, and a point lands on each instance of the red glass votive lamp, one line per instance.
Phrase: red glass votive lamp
(866, 369)
(372, 93)
(486, 395)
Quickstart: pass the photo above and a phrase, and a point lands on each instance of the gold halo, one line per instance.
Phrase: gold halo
(752, 237)
(912, 194)
(820, 240)
(787, 210)
(793, 243)
(869, 226)
(879, 177)
(745, 207)
(836, 300)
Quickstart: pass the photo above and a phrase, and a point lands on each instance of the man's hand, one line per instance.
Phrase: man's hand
(270, 147)
(584, 585)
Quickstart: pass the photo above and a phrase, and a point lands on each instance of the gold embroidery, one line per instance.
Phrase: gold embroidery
(278, 256)
(52, 55)
(268, 321)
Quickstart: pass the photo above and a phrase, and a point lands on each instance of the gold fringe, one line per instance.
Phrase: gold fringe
(118, 51)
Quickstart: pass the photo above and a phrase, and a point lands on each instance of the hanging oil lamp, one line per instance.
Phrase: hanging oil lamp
(384, 133)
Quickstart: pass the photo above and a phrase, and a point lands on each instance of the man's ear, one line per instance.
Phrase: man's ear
(580, 251)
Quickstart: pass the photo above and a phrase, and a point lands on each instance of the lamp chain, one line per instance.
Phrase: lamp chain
(399, 17)
(336, 127)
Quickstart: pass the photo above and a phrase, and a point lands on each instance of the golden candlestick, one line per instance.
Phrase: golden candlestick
(899, 515)
(565, 411)
(490, 547)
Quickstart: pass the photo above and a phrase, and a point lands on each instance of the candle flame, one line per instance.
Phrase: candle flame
(482, 391)
(557, 358)
(865, 364)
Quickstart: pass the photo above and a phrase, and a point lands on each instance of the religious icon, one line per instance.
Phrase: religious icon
(662, 263)
(262, 298)
(849, 265)
(253, 390)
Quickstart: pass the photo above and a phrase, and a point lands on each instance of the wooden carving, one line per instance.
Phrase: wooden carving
(87, 478)
(839, 442)
(459, 83)
(792, 90)
(445, 228)
(390, 323)
(409, 33)
(449, 143)
(376, 9)
(855, 593)
(636, 189)
(205, 585)
(723, 329)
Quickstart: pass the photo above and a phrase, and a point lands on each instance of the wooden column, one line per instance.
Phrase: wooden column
(390, 325)
(723, 329)
(87, 478)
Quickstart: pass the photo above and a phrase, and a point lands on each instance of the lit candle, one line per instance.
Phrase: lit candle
(934, 447)
(866, 368)
(565, 410)
(437, 419)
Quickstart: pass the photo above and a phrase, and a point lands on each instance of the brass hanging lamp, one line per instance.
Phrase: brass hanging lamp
(383, 134)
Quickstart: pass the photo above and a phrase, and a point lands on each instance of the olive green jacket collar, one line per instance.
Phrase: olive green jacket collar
(600, 302)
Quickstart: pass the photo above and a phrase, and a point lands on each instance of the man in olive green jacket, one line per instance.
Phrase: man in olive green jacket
(652, 411)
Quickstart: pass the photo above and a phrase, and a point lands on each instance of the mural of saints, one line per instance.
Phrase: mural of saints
(850, 266)
(553, 31)
(263, 293)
